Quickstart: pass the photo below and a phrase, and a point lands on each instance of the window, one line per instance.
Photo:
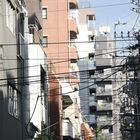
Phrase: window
(90, 17)
(91, 73)
(73, 60)
(91, 37)
(10, 17)
(43, 76)
(90, 20)
(92, 109)
(45, 41)
(44, 13)
(13, 101)
(91, 55)
(92, 91)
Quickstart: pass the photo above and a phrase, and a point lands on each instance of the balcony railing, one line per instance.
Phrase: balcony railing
(105, 106)
(104, 120)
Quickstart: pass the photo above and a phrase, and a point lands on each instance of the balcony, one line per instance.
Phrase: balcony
(73, 4)
(104, 62)
(104, 120)
(73, 28)
(104, 90)
(105, 106)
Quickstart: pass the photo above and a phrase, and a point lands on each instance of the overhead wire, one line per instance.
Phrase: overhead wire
(65, 42)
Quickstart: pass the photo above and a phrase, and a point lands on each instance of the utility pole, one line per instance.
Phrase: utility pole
(137, 35)
(136, 3)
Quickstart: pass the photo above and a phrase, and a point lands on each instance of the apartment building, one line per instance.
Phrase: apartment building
(11, 88)
(86, 65)
(107, 99)
(23, 71)
(59, 34)
(36, 99)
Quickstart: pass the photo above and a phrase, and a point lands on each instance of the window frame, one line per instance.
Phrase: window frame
(13, 101)
(44, 12)
(45, 43)
(10, 17)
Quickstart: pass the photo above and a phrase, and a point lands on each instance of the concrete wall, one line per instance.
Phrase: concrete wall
(10, 126)
(37, 59)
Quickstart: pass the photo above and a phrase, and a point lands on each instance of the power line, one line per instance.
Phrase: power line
(112, 5)
(66, 42)
(13, 78)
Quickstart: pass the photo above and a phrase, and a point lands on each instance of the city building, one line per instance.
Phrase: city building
(35, 63)
(86, 64)
(59, 33)
(107, 99)
(12, 124)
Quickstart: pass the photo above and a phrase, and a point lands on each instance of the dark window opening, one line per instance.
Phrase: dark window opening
(91, 73)
(73, 60)
(43, 77)
(91, 55)
(92, 91)
(92, 109)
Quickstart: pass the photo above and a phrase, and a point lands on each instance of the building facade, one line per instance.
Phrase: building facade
(107, 99)
(12, 124)
(86, 65)
(36, 61)
(59, 34)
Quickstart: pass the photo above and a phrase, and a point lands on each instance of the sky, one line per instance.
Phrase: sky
(109, 11)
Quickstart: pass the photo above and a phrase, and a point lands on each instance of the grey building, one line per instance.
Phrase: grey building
(11, 75)
(107, 99)
(87, 94)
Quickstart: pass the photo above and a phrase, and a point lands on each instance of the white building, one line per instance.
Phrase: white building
(37, 73)
(86, 65)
